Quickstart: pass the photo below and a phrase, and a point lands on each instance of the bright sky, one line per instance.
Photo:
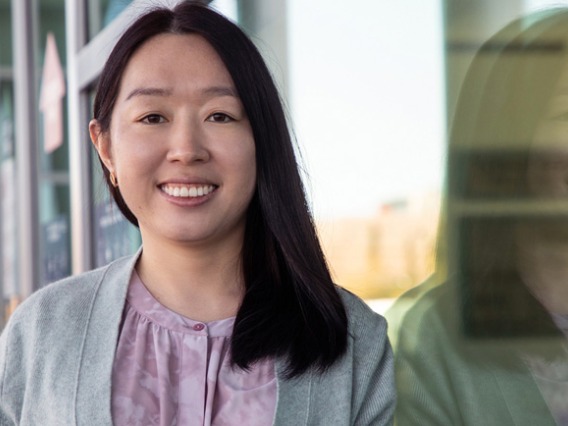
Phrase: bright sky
(367, 99)
(366, 89)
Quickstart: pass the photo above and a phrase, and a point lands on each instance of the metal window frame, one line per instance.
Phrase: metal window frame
(24, 19)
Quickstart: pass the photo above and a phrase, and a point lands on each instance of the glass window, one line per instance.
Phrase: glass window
(488, 327)
(53, 162)
(8, 224)
(103, 12)
(6, 34)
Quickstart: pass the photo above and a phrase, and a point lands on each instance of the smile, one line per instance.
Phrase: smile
(187, 191)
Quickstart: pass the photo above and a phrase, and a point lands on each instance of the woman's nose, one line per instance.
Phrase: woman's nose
(188, 144)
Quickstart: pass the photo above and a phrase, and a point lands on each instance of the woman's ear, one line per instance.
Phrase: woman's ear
(101, 141)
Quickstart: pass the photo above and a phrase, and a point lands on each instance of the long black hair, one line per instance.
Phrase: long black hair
(291, 307)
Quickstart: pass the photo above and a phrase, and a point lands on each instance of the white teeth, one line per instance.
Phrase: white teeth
(187, 191)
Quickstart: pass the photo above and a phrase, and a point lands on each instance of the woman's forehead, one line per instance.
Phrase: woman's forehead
(169, 63)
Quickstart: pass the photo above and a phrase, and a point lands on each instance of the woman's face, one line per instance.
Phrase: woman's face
(180, 144)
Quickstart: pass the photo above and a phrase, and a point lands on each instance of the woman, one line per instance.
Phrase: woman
(227, 315)
(488, 345)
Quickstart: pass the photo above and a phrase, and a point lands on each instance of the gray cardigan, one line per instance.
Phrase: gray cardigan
(57, 353)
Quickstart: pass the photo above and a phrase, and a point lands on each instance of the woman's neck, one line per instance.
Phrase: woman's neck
(203, 284)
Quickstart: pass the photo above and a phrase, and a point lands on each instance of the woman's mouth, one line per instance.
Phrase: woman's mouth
(187, 190)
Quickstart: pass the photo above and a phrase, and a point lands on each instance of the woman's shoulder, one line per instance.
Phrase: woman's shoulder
(66, 296)
(366, 327)
(358, 311)
(364, 376)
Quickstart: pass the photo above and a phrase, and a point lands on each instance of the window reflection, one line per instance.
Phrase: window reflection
(103, 12)
(113, 9)
(8, 236)
(53, 160)
(485, 343)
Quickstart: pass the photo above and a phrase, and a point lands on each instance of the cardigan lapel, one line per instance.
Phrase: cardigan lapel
(293, 404)
(93, 393)
(93, 397)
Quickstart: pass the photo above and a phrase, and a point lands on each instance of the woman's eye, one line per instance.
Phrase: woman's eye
(219, 117)
(153, 119)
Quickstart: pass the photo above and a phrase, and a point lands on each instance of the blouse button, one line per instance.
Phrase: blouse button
(198, 327)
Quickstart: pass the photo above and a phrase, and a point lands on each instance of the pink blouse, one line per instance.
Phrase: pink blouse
(170, 370)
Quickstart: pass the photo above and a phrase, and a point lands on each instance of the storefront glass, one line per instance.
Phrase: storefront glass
(53, 173)
(103, 12)
(8, 224)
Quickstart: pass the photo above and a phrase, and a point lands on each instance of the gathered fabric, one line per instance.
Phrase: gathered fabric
(172, 370)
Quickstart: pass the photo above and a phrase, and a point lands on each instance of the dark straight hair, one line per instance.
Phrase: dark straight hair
(291, 307)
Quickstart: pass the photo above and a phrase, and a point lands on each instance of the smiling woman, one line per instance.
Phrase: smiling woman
(194, 186)
(227, 314)
(183, 136)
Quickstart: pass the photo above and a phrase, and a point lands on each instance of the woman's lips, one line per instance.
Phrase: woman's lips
(192, 190)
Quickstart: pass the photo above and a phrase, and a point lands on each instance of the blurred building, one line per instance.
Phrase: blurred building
(383, 255)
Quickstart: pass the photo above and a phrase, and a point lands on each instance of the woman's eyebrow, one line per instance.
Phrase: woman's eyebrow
(207, 92)
(215, 91)
(149, 91)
